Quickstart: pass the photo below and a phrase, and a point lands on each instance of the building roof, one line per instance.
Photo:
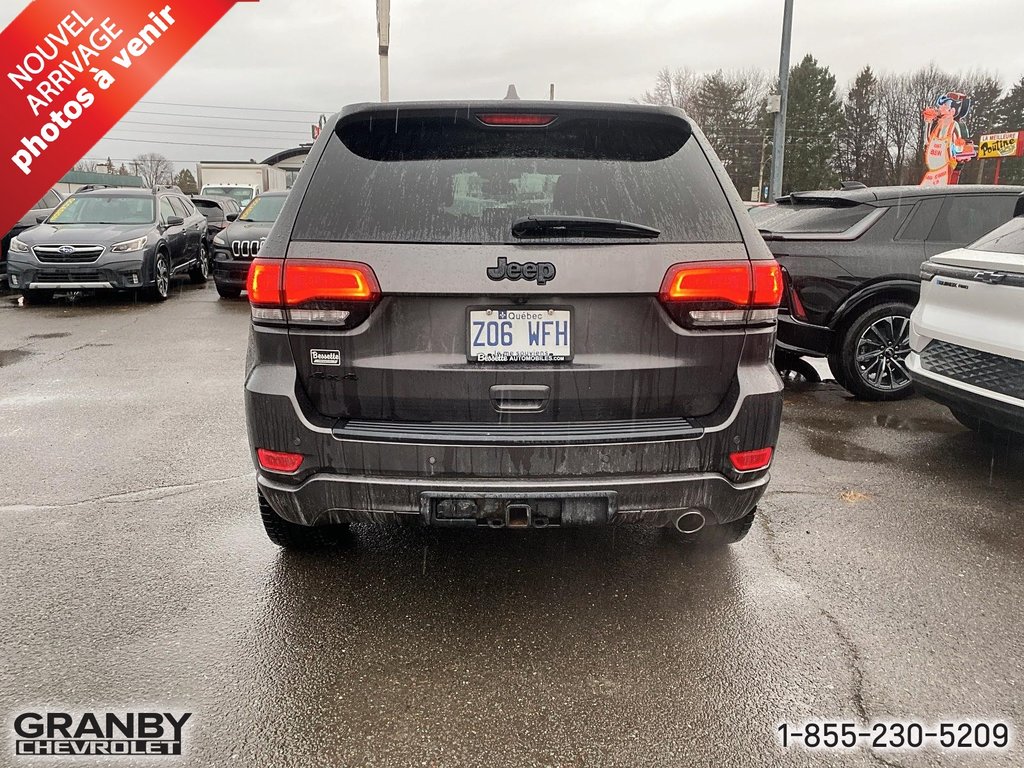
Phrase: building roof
(88, 177)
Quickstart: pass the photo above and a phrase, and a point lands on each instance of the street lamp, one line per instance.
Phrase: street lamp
(383, 40)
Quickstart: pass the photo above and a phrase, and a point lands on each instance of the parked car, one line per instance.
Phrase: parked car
(219, 212)
(512, 314)
(131, 239)
(236, 247)
(967, 332)
(850, 261)
(43, 208)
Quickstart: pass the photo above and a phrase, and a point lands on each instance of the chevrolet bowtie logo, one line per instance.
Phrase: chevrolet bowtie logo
(993, 278)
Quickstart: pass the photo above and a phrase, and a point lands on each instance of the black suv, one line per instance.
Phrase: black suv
(851, 261)
(129, 239)
(219, 212)
(512, 314)
(237, 245)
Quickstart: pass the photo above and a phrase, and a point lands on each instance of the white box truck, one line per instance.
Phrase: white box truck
(241, 181)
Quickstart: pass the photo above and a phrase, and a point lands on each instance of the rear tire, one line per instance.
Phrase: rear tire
(870, 359)
(714, 535)
(200, 273)
(293, 536)
(37, 297)
(794, 369)
(227, 292)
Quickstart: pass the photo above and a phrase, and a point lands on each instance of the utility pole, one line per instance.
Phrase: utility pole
(779, 142)
(383, 41)
(760, 178)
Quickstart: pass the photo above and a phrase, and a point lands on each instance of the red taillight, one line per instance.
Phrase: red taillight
(512, 118)
(725, 283)
(328, 281)
(723, 293)
(767, 283)
(307, 280)
(264, 282)
(278, 461)
(310, 291)
(751, 461)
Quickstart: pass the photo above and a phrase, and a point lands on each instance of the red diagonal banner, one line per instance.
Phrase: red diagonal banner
(70, 70)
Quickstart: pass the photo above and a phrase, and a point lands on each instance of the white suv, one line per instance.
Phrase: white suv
(967, 333)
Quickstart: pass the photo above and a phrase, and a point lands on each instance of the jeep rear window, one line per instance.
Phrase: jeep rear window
(804, 218)
(433, 179)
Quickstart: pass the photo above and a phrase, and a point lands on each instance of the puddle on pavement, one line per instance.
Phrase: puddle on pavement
(916, 424)
(12, 356)
(835, 447)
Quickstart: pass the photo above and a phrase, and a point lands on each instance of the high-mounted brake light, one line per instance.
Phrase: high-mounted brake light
(515, 118)
(278, 461)
(751, 461)
(723, 293)
(309, 291)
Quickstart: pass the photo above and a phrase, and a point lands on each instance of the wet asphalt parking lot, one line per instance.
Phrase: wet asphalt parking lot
(882, 581)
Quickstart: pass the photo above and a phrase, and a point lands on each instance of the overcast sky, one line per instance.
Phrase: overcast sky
(314, 56)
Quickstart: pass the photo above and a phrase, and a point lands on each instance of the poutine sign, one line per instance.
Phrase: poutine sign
(997, 145)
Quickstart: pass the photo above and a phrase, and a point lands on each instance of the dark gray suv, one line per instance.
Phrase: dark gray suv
(112, 238)
(512, 314)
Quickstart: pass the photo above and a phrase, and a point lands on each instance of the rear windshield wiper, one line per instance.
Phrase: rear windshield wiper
(579, 226)
(767, 234)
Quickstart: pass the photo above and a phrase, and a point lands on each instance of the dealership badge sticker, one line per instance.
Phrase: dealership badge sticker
(70, 70)
(126, 733)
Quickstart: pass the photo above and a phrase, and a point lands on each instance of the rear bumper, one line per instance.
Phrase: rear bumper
(803, 338)
(991, 407)
(650, 481)
(651, 500)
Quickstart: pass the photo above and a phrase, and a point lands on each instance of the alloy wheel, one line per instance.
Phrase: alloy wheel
(882, 351)
(163, 276)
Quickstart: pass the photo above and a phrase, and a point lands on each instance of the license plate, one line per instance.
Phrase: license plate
(520, 335)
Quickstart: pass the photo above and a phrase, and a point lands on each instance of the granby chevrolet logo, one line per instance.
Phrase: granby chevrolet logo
(98, 733)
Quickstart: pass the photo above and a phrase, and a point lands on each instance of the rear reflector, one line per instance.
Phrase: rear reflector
(278, 461)
(515, 119)
(751, 461)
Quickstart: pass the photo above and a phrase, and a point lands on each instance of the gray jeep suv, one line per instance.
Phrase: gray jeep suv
(112, 238)
(512, 314)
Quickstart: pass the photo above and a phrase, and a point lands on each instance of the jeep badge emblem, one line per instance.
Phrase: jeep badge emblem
(540, 271)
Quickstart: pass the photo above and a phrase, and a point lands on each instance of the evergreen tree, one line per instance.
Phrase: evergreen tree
(1009, 116)
(186, 182)
(861, 146)
(728, 105)
(813, 119)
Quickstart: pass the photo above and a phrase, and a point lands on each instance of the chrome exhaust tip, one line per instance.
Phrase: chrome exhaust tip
(690, 521)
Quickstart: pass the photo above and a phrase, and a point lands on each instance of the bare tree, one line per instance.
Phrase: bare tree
(83, 165)
(672, 89)
(154, 168)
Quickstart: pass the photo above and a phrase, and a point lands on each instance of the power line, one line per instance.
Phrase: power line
(249, 109)
(222, 117)
(278, 134)
(191, 143)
